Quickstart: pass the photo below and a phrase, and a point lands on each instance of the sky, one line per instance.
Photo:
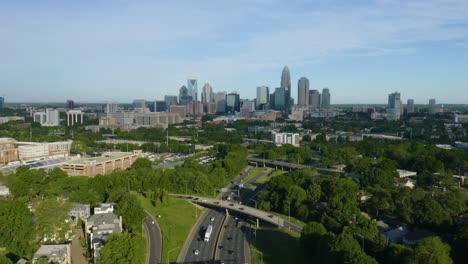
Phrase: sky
(117, 50)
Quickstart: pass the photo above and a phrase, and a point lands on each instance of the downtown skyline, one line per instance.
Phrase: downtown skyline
(116, 51)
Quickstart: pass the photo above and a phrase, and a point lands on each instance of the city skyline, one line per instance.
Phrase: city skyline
(116, 51)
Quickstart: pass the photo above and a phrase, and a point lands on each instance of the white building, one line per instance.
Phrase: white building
(58, 253)
(33, 150)
(285, 138)
(48, 118)
(405, 173)
(297, 113)
(4, 191)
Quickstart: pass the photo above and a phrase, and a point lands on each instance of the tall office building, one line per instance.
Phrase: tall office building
(281, 99)
(432, 106)
(70, 104)
(207, 94)
(2, 102)
(232, 103)
(410, 106)
(263, 97)
(139, 103)
(184, 95)
(325, 103)
(303, 92)
(170, 100)
(286, 83)
(192, 86)
(314, 99)
(160, 106)
(394, 106)
(112, 107)
(220, 102)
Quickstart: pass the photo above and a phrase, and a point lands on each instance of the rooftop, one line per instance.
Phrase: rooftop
(108, 156)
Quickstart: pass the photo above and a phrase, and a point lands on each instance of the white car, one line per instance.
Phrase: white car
(195, 252)
(152, 222)
(212, 219)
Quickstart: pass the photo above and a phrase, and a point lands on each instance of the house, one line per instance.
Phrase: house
(407, 182)
(58, 253)
(405, 173)
(100, 225)
(4, 191)
(79, 211)
(396, 235)
(413, 238)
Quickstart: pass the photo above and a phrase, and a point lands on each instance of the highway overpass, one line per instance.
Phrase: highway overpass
(288, 166)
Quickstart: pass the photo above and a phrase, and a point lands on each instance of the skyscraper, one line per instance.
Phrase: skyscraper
(325, 103)
(394, 106)
(192, 86)
(207, 94)
(263, 97)
(314, 99)
(432, 106)
(303, 92)
(410, 106)
(286, 84)
(184, 96)
(112, 107)
(280, 99)
(220, 102)
(232, 103)
(70, 104)
(170, 100)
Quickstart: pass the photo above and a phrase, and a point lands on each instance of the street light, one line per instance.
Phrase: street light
(169, 253)
(261, 255)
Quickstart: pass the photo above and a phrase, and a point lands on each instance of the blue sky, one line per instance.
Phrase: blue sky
(118, 50)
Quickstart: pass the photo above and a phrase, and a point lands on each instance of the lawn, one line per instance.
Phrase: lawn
(176, 221)
(266, 177)
(277, 246)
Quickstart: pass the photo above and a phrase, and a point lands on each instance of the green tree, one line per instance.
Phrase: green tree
(460, 243)
(123, 248)
(16, 227)
(431, 251)
(131, 211)
(5, 260)
(51, 220)
(141, 163)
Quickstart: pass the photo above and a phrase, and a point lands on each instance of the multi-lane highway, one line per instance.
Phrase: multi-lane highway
(154, 240)
(233, 246)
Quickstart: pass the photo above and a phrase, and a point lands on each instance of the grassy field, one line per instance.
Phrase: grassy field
(277, 246)
(176, 221)
(266, 177)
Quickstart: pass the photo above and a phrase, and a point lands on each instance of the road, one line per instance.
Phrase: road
(154, 240)
(233, 244)
(205, 249)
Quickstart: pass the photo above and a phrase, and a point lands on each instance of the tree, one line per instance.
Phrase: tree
(131, 211)
(315, 240)
(52, 220)
(428, 213)
(123, 248)
(431, 251)
(5, 260)
(141, 163)
(460, 243)
(16, 227)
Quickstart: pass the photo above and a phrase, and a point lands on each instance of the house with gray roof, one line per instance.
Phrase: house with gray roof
(58, 253)
(79, 211)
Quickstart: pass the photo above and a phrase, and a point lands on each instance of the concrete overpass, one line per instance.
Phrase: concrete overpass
(288, 166)
(243, 209)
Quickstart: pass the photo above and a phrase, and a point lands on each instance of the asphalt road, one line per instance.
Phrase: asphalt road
(154, 240)
(205, 249)
(233, 243)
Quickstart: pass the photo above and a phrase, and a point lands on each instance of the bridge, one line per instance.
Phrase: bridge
(288, 166)
(243, 209)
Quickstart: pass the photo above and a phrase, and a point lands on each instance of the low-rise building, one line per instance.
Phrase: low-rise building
(405, 173)
(79, 211)
(105, 164)
(6, 119)
(33, 150)
(8, 152)
(285, 138)
(58, 253)
(4, 191)
(159, 118)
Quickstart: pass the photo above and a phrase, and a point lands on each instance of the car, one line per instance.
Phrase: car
(270, 215)
(212, 219)
(152, 222)
(204, 200)
(231, 204)
(196, 198)
(241, 208)
(196, 252)
(216, 202)
(229, 238)
(231, 252)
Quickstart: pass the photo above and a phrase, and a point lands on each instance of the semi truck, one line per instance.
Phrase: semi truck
(208, 232)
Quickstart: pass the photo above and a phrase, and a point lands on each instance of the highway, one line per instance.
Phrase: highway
(154, 240)
(233, 245)
(205, 249)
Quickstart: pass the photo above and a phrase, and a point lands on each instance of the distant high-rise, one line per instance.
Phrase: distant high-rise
(232, 103)
(139, 103)
(220, 102)
(170, 100)
(314, 99)
(432, 106)
(2, 102)
(70, 104)
(160, 106)
(325, 103)
(207, 94)
(184, 95)
(394, 106)
(286, 83)
(280, 99)
(303, 92)
(112, 108)
(410, 106)
(192, 86)
(263, 97)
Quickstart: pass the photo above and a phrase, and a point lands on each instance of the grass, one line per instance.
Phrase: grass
(177, 218)
(253, 172)
(277, 246)
(266, 177)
